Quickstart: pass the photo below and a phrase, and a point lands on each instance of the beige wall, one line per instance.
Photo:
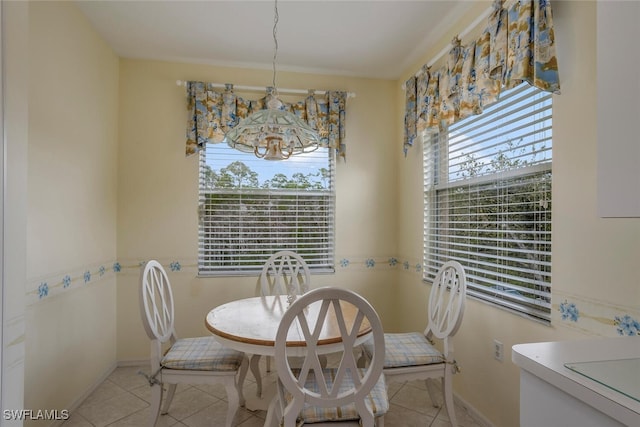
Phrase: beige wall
(158, 195)
(594, 259)
(14, 48)
(108, 181)
(71, 207)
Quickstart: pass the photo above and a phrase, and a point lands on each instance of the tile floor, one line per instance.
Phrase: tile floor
(122, 400)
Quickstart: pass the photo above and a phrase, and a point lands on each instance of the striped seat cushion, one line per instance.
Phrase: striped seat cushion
(408, 349)
(201, 354)
(377, 400)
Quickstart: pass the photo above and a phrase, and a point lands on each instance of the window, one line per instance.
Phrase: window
(251, 208)
(488, 201)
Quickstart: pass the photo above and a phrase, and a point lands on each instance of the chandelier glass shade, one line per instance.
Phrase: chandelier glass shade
(273, 133)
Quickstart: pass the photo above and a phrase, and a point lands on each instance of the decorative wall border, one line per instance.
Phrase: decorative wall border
(589, 316)
(344, 263)
(376, 263)
(171, 265)
(45, 287)
(594, 317)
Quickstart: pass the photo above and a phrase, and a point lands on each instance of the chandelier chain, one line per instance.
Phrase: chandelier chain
(276, 17)
(273, 133)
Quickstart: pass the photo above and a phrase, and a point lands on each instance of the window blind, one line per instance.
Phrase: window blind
(488, 201)
(251, 208)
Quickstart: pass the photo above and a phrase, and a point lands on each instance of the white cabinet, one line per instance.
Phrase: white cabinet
(618, 83)
(553, 395)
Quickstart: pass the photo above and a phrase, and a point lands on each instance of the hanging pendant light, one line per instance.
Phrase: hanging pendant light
(273, 133)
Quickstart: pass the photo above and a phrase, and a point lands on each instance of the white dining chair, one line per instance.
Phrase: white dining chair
(412, 356)
(284, 273)
(200, 360)
(314, 394)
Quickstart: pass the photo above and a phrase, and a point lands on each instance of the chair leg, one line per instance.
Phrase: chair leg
(255, 369)
(233, 397)
(322, 358)
(362, 359)
(380, 421)
(242, 374)
(290, 414)
(167, 402)
(366, 417)
(447, 392)
(156, 400)
(272, 417)
(432, 392)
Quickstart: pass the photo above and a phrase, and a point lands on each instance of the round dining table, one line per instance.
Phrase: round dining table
(250, 325)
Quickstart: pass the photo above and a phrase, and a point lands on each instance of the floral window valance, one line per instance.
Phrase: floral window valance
(518, 45)
(213, 111)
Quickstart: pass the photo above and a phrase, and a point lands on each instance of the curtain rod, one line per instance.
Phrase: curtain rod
(460, 35)
(263, 88)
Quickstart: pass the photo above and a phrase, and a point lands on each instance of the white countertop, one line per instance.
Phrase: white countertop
(546, 360)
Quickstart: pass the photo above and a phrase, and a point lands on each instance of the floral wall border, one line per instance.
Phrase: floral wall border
(45, 287)
(350, 263)
(593, 317)
(377, 263)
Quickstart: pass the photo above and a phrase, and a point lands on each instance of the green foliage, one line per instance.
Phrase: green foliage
(238, 175)
(513, 156)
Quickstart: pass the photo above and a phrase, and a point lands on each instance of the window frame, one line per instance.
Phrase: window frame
(320, 259)
(440, 186)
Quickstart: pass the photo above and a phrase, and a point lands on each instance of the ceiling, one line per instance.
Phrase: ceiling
(374, 38)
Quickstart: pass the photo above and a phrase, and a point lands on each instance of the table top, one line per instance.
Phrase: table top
(251, 324)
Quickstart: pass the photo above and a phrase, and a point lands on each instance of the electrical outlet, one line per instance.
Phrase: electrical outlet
(498, 350)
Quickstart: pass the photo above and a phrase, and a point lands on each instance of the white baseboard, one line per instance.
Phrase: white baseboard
(98, 382)
(134, 362)
(76, 403)
(473, 412)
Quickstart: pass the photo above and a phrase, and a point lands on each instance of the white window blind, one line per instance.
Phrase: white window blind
(251, 208)
(488, 201)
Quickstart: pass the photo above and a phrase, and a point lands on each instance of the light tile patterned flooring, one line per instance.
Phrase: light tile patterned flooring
(122, 400)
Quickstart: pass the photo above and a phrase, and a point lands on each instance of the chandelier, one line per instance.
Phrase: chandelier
(273, 133)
